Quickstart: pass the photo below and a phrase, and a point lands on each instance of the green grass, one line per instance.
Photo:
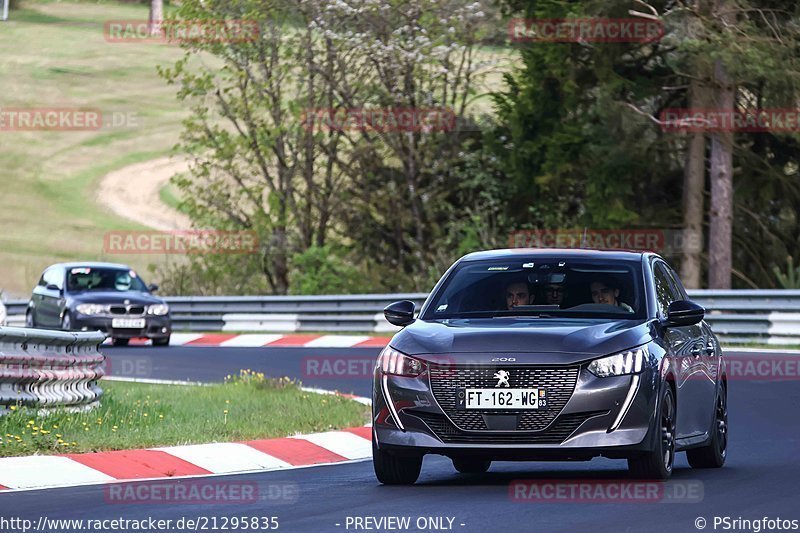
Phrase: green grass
(171, 196)
(137, 415)
(57, 56)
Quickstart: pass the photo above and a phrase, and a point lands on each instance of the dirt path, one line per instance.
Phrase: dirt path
(133, 192)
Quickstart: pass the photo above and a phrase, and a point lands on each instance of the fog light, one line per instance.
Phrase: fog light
(163, 330)
(84, 328)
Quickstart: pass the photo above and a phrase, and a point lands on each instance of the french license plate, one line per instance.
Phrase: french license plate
(535, 398)
(130, 323)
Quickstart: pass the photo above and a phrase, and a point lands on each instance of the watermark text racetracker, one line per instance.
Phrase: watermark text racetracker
(181, 31)
(739, 120)
(587, 30)
(200, 491)
(65, 119)
(181, 242)
(665, 241)
(379, 119)
(604, 491)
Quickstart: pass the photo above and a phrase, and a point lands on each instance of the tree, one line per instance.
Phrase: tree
(561, 105)
(156, 17)
(382, 195)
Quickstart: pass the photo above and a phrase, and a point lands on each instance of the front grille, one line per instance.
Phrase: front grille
(558, 381)
(557, 433)
(126, 310)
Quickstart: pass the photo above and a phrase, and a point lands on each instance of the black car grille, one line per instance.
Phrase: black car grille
(557, 433)
(126, 309)
(559, 382)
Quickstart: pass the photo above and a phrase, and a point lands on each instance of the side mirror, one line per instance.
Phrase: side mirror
(400, 313)
(683, 313)
(152, 287)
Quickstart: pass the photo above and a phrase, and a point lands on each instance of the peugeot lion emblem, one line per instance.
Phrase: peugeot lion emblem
(502, 378)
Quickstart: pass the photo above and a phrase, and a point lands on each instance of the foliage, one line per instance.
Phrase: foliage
(790, 279)
(262, 162)
(319, 270)
(582, 150)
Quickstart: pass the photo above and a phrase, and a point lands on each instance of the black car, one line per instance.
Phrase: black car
(108, 297)
(550, 355)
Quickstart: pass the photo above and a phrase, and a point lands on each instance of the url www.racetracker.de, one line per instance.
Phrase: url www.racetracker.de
(144, 525)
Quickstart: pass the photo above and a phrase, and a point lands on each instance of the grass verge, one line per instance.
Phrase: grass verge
(135, 415)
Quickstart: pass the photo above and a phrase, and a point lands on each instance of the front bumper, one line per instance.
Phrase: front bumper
(156, 327)
(577, 427)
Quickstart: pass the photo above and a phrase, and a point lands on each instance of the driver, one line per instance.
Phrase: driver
(517, 293)
(555, 293)
(607, 292)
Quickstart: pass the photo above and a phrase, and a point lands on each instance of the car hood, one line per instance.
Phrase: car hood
(544, 340)
(114, 297)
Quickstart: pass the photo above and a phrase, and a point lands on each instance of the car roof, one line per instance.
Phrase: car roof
(91, 264)
(574, 253)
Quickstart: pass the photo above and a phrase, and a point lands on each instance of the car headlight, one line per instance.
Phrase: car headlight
(158, 309)
(91, 309)
(620, 364)
(390, 361)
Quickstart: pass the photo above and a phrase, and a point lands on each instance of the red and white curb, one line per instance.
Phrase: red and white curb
(253, 340)
(195, 460)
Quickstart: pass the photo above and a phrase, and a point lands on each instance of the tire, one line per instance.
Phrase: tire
(161, 342)
(658, 463)
(393, 469)
(471, 466)
(120, 342)
(29, 320)
(714, 453)
(66, 322)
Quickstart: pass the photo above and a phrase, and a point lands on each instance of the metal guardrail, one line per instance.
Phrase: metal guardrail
(41, 368)
(737, 316)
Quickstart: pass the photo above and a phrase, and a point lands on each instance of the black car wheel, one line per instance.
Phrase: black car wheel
(161, 342)
(658, 463)
(120, 342)
(29, 321)
(393, 469)
(713, 455)
(471, 466)
(66, 322)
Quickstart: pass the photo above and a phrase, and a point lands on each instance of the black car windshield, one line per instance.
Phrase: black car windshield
(81, 279)
(541, 288)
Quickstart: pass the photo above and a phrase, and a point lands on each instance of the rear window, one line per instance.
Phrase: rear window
(541, 287)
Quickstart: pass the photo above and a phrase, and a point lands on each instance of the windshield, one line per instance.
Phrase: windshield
(541, 288)
(106, 279)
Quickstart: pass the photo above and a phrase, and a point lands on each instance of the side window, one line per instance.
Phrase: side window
(666, 292)
(54, 277)
(680, 291)
(42, 282)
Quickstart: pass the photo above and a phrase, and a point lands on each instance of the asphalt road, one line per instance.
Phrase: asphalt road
(345, 369)
(759, 480)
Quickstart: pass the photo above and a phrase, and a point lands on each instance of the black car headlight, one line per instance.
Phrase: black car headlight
(158, 309)
(91, 309)
(390, 361)
(620, 364)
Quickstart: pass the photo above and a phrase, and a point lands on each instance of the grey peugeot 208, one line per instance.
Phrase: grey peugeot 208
(550, 355)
